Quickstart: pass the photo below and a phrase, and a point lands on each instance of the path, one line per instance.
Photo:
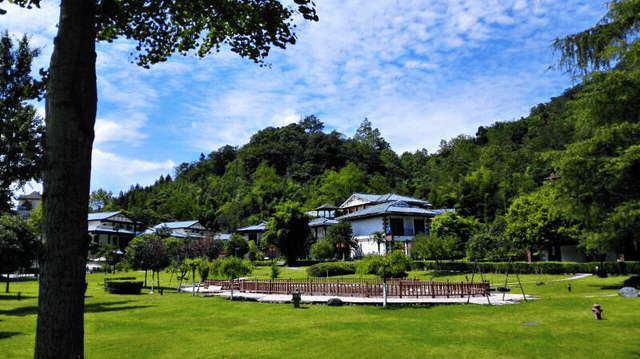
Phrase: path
(494, 298)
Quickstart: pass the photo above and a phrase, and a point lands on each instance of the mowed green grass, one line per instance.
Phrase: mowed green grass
(176, 325)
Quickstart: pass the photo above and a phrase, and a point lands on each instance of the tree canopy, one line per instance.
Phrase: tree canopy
(288, 230)
(613, 39)
(18, 246)
(20, 126)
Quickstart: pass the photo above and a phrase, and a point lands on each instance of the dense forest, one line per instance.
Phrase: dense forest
(568, 172)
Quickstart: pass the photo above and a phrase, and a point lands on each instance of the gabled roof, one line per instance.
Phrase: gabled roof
(172, 226)
(110, 229)
(101, 216)
(260, 227)
(177, 225)
(372, 199)
(222, 236)
(317, 222)
(326, 207)
(396, 207)
(32, 195)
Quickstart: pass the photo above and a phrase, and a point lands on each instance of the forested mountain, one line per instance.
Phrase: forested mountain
(567, 172)
(479, 176)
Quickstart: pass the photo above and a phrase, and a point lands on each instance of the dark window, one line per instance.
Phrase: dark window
(397, 227)
(418, 226)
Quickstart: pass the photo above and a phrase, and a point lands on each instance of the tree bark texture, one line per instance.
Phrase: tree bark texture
(70, 117)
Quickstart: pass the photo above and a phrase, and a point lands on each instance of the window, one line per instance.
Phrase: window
(397, 227)
(418, 226)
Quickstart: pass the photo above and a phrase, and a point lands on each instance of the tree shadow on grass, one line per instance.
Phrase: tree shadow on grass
(109, 307)
(608, 287)
(14, 296)
(21, 312)
(6, 335)
(89, 308)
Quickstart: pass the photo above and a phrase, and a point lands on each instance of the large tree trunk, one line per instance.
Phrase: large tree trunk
(70, 117)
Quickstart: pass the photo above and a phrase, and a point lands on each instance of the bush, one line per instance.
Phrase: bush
(122, 286)
(533, 268)
(275, 271)
(123, 266)
(332, 269)
(394, 265)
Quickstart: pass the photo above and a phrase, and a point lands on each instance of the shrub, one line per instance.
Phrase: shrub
(123, 266)
(122, 286)
(275, 271)
(393, 265)
(534, 267)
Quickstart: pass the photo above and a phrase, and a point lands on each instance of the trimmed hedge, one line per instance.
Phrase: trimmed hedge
(122, 286)
(333, 268)
(531, 268)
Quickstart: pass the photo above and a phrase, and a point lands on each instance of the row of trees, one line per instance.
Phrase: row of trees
(155, 253)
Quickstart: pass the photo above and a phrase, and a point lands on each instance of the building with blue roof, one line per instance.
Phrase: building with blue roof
(182, 229)
(399, 218)
(111, 228)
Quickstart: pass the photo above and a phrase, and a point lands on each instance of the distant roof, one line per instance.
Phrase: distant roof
(176, 225)
(102, 215)
(222, 236)
(357, 199)
(326, 207)
(32, 195)
(396, 207)
(260, 227)
(316, 222)
(110, 229)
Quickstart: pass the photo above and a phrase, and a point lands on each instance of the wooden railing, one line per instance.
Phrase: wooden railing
(407, 288)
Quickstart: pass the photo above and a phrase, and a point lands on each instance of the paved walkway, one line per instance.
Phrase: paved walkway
(494, 298)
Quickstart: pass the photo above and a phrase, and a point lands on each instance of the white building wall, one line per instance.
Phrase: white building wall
(366, 226)
(366, 245)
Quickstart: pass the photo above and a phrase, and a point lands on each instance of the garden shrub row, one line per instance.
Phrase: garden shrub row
(332, 269)
(124, 285)
(531, 268)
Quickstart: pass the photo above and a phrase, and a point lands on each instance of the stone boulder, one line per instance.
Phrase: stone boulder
(628, 292)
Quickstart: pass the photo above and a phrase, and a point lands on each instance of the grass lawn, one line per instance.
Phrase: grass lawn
(175, 325)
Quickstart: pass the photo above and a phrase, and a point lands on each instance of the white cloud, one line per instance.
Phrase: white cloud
(121, 130)
(114, 172)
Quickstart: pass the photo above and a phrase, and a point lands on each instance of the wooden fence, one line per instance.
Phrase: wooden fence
(407, 288)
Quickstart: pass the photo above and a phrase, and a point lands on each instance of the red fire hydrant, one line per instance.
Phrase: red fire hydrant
(597, 311)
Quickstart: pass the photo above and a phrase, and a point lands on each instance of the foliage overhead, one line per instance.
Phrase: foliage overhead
(21, 127)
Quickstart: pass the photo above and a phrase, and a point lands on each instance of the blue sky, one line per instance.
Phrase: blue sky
(421, 71)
